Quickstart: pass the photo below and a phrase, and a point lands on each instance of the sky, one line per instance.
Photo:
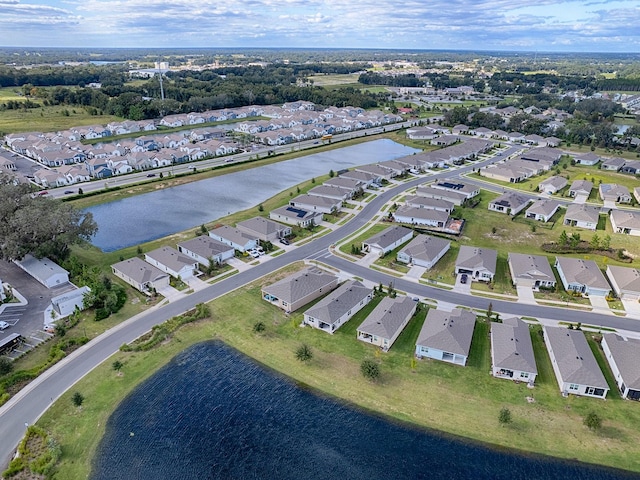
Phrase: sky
(512, 25)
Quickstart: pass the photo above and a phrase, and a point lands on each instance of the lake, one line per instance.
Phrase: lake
(212, 413)
(153, 215)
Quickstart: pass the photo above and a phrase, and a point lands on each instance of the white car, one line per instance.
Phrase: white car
(254, 254)
(4, 325)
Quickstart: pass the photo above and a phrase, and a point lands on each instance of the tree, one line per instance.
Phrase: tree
(592, 421)
(505, 416)
(595, 242)
(331, 174)
(370, 369)
(260, 208)
(605, 244)
(41, 226)
(6, 366)
(574, 240)
(564, 239)
(77, 399)
(304, 353)
(117, 365)
(258, 327)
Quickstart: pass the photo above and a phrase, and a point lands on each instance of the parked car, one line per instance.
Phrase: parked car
(284, 241)
(43, 192)
(254, 254)
(68, 192)
(4, 325)
(151, 175)
(463, 278)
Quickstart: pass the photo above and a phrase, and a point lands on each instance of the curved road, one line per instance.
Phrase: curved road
(32, 401)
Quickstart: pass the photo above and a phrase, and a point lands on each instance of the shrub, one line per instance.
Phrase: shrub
(505, 416)
(592, 421)
(77, 399)
(370, 370)
(6, 366)
(304, 353)
(258, 327)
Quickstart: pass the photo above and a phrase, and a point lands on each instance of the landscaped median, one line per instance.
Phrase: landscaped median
(465, 401)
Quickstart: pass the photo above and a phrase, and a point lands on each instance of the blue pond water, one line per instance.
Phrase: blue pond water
(142, 218)
(212, 413)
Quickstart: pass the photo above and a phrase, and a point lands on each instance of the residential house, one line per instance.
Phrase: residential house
(510, 203)
(625, 221)
(329, 191)
(44, 270)
(421, 216)
(530, 270)
(625, 281)
(316, 203)
(264, 229)
(205, 249)
(636, 194)
(512, 354)
(385, 323)
(631, 166)
(574, 364)
(141, 275)
(614, 193)
(582, 276)
(67, 303)
(380, 173)
(542, 210)
(338, 307)
(430, 192)
(455, 185)
(479, 263)
(582, 216)
(296, 216)
(387, 240)
(233, 237)
(429, 203)
(424, 251)
(446, 336)
(504, 173)
(580, 188)
(350, 184)
(552, 184)
(588, 158)
(365, 178)
(299, 289)
(173, 262)
(623, 356)
(614, 164)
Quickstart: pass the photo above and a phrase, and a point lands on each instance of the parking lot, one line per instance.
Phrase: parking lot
(27, 320)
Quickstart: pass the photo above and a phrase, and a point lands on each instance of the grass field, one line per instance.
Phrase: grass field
(461, 400)
(49, 119)
(335, 79)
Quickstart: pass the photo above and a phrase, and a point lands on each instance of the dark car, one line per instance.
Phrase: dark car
(284, 241)
(68, 192)
(151, 175)
(463, 278)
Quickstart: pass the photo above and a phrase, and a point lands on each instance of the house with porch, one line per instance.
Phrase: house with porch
(582, 216)
(588, 158)
(574, 364)
(446, 336)
(419, 201)
(387, 240)
(141, 275)
(300, 288)
(530, 270)
(385, 323)
(421, 216)
(338, 307)
(329, 191)
(204, 249)
(542, 210)
(316, 203)
(625, 221)
(582, 276)
(510, 203)
(614, 193)
(614, 164)
(580, 188)
(457, 198)
(173, 262)
(424, 251)
(512, 354)
(623, 356)
(478, 263)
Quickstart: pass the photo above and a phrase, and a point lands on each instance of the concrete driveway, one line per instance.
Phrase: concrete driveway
(525, 295)
(599, 303)
(632, 307)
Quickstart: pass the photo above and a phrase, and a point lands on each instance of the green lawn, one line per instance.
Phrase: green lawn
(49, 119)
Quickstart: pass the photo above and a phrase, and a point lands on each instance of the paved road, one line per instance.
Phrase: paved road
(30, 403)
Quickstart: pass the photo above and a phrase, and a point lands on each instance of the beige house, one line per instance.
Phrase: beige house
(140, 275)
(297, 290)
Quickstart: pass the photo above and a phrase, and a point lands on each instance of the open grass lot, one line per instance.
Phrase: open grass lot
(49, 119)
(335, 79)
(461, 400)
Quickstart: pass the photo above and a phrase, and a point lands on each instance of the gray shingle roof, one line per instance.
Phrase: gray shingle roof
(543, 207)
(511, 200)
(626, 219)
(388, 316)
(205, 246)
(339, 302)
(555, 181)
(388, 236)
(474, 257)
(626, 278)
(139, 270)
(170, 258)
(626, 354)
(300, 284)
(534, 267)
(425, 247)
(582, 213)
(583, 272)
(261, 225)
(448, 331)
(575, 360)
(511, 345)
